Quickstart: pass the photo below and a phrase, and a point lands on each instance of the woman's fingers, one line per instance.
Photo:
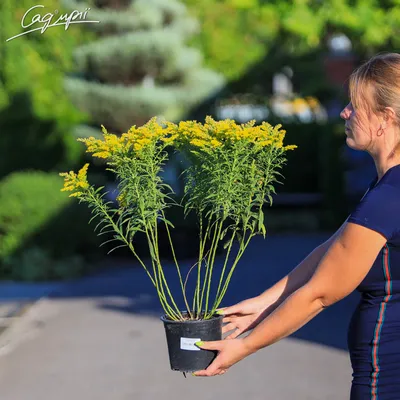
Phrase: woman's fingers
(222, 372)
(228, 327)
(234, 334)
(235, 309)
(236, 331)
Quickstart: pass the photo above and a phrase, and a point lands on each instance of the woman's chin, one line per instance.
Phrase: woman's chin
(352, 144)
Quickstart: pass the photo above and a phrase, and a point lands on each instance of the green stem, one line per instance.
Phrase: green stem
(100, 205)
(154, 242)
(177, 266)
(209, 228)
(160, 270)
(163, 300)
(212, 254)
(159, 287)
(228, 278)
(196, 299)
(103, 209)
(225, 263)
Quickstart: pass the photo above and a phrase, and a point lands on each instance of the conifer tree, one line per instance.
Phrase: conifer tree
(138, 65)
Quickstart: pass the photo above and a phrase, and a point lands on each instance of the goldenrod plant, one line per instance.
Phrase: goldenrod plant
(232, 172)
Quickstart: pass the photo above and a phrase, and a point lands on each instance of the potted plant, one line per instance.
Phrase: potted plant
(231, 173)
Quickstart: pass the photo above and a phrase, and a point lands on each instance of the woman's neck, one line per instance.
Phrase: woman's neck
(382, 165)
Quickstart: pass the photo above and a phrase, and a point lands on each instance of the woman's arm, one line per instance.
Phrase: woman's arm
(299, 276)
(345, 265)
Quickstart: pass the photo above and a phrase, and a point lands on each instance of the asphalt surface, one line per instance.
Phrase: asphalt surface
(101, 338)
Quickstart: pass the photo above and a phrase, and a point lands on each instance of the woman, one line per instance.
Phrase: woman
(363, 254)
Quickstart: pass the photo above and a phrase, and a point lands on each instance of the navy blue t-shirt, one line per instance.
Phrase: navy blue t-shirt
(379, 209)
(374, 331)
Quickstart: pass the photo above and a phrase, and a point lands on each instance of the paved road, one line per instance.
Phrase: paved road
(101, 338)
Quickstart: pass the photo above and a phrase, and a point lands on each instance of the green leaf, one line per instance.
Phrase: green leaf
(226, 244)
(260, 220)
(152, 253)
(167, 222)
(263, 230)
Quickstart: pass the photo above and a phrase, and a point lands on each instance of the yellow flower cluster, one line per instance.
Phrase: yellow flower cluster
(210, 135)
(137, 138)
(103, 148)
(75, 182)
(121, 198)
(148, 134)
(213, 133)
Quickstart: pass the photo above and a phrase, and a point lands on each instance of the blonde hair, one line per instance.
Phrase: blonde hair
(382, 74)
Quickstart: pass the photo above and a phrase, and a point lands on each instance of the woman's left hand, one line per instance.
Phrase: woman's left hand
(230, 352)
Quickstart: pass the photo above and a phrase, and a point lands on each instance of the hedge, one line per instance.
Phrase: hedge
(38, 220)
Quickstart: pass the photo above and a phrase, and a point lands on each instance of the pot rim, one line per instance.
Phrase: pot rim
(165, 319)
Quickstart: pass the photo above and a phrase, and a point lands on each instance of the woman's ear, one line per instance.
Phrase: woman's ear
(389, 115)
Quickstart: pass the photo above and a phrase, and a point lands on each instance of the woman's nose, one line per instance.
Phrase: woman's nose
(345, 114)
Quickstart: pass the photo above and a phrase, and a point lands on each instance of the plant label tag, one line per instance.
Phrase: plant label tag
(188, 344)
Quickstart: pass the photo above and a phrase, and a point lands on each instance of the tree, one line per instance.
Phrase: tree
(236, 34)
(139, 66)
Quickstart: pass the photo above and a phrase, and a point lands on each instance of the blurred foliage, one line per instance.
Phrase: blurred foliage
(36, 264)
(36, 62)
(27, 141)
(238, 33)
(138, 66)
(317, 166)
(33, 103)
(34, 214)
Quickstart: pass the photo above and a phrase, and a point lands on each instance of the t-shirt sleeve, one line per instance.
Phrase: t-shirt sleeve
(379, 210)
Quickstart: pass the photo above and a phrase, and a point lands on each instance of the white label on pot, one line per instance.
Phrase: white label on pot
(188, 344)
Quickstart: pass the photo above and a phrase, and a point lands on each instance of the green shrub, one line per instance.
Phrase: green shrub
(40, 144)
(34, 215)
(36, 264)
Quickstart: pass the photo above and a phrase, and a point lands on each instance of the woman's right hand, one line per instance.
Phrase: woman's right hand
(245, 315)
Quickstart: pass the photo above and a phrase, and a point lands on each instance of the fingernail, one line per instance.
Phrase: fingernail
(220, 312)
(193, 374)
(199, 344)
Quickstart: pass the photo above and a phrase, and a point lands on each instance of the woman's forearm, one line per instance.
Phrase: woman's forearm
(298, 277)
(296, 311)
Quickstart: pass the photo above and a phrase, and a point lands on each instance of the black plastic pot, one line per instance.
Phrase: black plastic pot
(184, 356)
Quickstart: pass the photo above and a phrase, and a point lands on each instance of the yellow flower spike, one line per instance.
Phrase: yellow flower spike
(73, 181)
(103, 129)
(215, 143)
(75, 194)
(137, 147)
(122, 199)
(102, 154)
(83, 172)
(100, 148)
(198, 143)
(169, 140)
(265, 142)
(143, 142)
(170, 128)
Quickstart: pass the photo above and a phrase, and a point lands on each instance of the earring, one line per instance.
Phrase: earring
(381, 131)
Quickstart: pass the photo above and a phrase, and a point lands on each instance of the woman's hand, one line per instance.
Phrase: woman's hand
(229, 353)
(245, 315)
